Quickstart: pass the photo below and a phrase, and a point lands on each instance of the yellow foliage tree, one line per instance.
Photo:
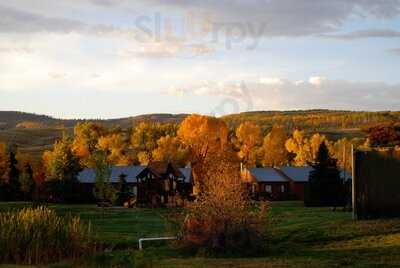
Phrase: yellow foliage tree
(61, 163)
(274, 152)
(4, 162)
(315, 142)
(145, 136)
(170, 149)
(298, 144)
(114, 146)
(86, 136)
(249, 139)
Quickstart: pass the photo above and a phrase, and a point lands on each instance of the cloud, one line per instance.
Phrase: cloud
(17, 21)
(166, 49)
(280, 17)
(289, 95)
(371, 33)
(315, 81)
(394, 51)
(271, 81)
(290, 17)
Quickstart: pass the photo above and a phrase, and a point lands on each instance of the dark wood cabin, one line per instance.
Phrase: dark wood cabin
(162, 184)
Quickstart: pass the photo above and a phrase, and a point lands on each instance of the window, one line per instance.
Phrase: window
(282, 188)
(268, 188)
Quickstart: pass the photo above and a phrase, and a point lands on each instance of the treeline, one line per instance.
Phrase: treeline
(151, 141)
(314, 120)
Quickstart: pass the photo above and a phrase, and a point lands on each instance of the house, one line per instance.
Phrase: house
(162, 183)
(267, 183)
(135, 178)
(298, 178)
(286, 182)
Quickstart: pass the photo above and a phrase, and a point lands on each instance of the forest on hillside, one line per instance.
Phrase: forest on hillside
(34, 134)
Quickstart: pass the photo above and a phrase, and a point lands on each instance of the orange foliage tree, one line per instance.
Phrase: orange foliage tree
(204, 137)
(223, 218)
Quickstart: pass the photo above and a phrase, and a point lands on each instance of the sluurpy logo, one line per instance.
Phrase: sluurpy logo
(193, 34)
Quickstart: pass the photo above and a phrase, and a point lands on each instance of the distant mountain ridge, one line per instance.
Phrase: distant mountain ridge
(11, 119)
(34, 133)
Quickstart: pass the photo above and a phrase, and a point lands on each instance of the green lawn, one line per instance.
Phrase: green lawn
(297, 237)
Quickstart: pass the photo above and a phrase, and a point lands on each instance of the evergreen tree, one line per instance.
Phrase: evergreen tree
(14, 185)
(27, 182)
(325, 187)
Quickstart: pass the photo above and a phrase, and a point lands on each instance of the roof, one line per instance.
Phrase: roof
(301, 174)
(267, 175)
(161, 168)
(187, 173)
(88, 175)
(297, 174)
(129, 171)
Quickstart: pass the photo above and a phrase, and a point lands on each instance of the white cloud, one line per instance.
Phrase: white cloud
(333, 94)
(316, 80)
(273, 81)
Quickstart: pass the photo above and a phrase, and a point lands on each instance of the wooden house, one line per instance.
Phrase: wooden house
(148, 183)
(162, 184)
(266, 183)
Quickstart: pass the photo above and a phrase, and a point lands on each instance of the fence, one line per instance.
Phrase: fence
(376, 183)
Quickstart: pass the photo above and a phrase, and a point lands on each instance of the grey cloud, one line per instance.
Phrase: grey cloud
(394, 51)
(14, 20)
(292, 17)
(281, 17)
(372, 33)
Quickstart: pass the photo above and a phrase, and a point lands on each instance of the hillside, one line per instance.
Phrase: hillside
(35, 133)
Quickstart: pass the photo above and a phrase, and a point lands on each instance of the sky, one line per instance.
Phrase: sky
(117, 58)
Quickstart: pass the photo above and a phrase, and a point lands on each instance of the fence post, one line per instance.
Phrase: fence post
(353, 183)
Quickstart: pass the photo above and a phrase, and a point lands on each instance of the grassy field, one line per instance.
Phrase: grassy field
(297, 237)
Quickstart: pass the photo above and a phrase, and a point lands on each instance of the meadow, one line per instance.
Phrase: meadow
(296, 237)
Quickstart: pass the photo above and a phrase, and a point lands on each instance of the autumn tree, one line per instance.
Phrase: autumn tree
(104, 191)
(248, 139)
(341, 150)
(204, 137)
(86, 136)
(298, 144)
(222, 218)
(384, 134)
(273, 150)
(145, 136)
(170, 149)
(115, 147)
(4, 163)
(61, 163)
(315, 142)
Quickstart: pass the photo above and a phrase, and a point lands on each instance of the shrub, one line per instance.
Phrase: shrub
(223, 219)
(39, 235)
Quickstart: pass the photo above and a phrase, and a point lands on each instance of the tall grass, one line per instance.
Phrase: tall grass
(40, 236)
